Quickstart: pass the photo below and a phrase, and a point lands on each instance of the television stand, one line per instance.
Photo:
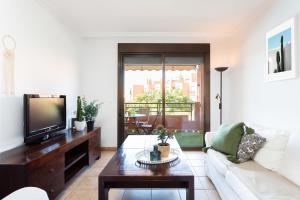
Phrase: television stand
(49, 165)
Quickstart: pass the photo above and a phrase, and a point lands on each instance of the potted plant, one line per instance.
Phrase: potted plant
(91, 111)
(163, 136)
(80, 122)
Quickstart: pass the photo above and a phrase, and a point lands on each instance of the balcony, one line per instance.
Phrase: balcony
(183, 119)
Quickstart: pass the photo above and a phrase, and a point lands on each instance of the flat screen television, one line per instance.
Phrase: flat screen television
(43, 116)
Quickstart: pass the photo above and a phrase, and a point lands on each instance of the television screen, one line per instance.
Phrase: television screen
(45, 112)
(43, 115)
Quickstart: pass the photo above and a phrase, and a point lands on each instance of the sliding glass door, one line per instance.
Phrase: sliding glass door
(183, 77)
(143, 76)
(164, 89)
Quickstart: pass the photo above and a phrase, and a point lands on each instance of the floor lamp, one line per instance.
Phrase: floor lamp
(219, 96)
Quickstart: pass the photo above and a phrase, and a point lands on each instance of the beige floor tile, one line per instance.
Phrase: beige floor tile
(197, 163)
(206, 183)
(93, 172)
(80, 194)
(107, 154)
(200, 171)
(88, 183)
(198, 184)
(114, 194)
(165, 194)
(213, 195)
(194, 155)
(100, 163)
(64, 194)
(194, 171)
(201, 195)
(74, 182)
(137, 194)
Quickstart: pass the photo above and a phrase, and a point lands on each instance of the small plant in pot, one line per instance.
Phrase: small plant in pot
(80, 123)
(91, 111)
(164, 135)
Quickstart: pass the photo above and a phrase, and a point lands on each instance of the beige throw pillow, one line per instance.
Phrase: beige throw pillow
(270, 155)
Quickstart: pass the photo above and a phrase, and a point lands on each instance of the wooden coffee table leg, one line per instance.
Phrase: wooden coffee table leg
(103, 191)
(190, 192)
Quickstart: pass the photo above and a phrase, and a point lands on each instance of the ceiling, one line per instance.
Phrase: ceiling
(98, 17)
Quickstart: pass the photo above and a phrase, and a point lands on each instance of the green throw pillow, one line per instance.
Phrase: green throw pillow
(228, 138)
(249, 130)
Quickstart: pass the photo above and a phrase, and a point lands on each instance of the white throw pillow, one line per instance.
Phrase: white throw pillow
(270, 155)
(290, 164)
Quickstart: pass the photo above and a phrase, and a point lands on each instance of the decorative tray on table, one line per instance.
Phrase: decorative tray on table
(143, 157)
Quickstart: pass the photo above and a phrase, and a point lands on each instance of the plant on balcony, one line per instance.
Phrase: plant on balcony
(80, 122)
(172, 96)
(163, 136)
(91, 110)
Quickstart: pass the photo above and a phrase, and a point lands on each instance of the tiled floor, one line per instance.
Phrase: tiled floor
(84, 186)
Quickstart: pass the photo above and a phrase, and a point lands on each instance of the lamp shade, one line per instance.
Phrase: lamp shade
(221, 69)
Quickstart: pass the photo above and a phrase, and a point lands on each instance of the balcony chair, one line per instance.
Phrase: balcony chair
(147, 127)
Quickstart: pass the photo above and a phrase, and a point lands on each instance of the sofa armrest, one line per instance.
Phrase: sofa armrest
(209, 136)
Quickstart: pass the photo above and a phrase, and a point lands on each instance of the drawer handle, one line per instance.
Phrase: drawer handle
(51, 170)
(51, 191)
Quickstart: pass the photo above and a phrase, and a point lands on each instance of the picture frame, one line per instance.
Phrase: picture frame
(280, 52)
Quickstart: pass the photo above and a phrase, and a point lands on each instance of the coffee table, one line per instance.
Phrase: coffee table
(122, 171)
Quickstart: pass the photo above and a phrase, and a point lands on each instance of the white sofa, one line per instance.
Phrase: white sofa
(273, 174)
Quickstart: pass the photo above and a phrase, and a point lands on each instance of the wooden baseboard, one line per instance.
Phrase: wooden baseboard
(108, 148)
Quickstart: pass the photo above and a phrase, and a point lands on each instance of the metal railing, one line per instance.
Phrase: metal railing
(154, 108)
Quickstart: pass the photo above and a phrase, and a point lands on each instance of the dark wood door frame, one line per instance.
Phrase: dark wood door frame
(202, 49)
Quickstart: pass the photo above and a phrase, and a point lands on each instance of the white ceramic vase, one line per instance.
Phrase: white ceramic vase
(80, 126)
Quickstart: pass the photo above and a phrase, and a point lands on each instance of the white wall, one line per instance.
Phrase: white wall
(99, 74)
(273, 104)
(47, 60)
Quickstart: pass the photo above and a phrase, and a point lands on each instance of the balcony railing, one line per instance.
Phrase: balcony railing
(154, 108)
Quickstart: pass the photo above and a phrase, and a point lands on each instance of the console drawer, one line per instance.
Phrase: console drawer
(55, 186)
(48, 175)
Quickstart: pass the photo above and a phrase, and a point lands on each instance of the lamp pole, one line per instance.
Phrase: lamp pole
(221, 70)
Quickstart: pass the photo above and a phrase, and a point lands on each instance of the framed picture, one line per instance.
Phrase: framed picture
(280, 52)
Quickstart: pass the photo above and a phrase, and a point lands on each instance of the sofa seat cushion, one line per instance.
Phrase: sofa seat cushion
(219, 161)
(252, 181)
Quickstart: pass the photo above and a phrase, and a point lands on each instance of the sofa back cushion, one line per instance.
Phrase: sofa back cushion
(290, 163)
(227, 138)
(271, 154)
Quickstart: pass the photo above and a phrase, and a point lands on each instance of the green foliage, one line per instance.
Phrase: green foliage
(172, 96)
(163, 134)
(80, 112)
(176, 96)
(149, 97)
(91, 109)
